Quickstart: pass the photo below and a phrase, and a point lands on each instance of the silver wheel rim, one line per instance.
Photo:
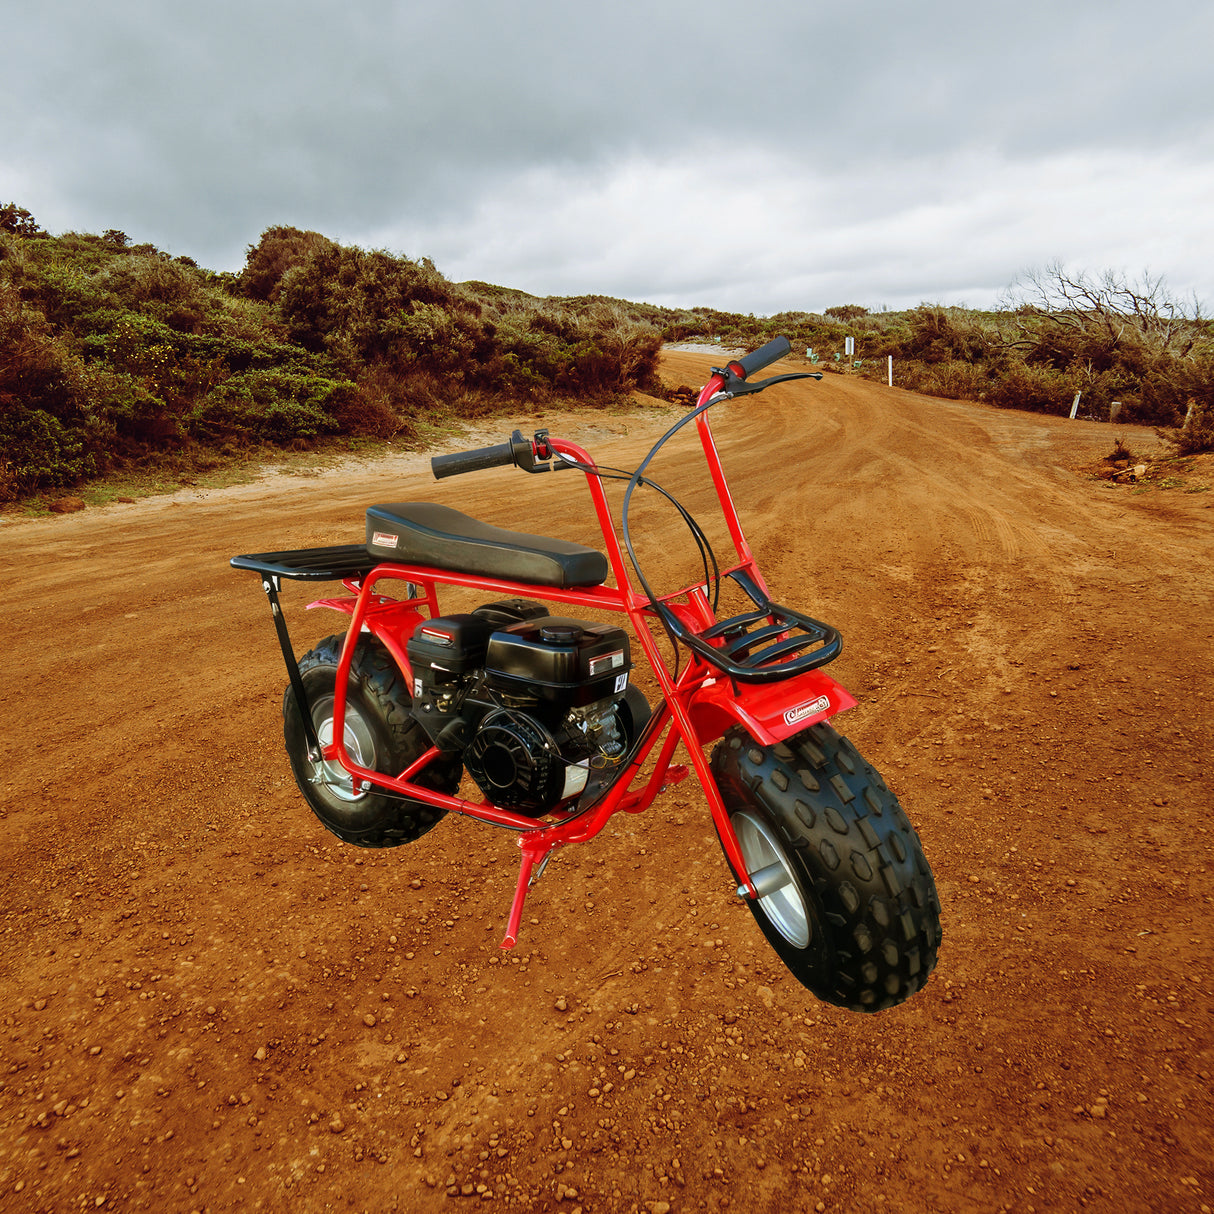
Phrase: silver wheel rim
(784, 908)
(359, 745)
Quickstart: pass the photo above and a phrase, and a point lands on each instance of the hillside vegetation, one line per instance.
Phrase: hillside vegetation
(113, 352)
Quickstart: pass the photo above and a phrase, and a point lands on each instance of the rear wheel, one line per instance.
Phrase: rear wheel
(846, 896)
(379, 733)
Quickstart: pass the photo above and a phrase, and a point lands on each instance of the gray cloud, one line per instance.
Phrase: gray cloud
(741, 155)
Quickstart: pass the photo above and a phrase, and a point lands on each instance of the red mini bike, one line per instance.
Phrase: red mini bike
(540, 710)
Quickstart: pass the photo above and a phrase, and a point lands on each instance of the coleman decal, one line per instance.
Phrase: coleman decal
(385, 539)
(793, 715)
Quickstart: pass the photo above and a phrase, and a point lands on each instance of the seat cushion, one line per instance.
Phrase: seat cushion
(425, 533)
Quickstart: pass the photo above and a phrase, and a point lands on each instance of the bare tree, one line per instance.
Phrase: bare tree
(1108, 304)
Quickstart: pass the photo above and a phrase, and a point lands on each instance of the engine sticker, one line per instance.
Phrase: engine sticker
(385, 539)
(793, 715)
(606, 661)
(621, 682)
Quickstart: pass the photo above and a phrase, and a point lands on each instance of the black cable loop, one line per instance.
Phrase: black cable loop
(707, 555)
(664, 613)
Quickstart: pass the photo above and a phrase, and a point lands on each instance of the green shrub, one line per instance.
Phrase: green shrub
(520, 378)
(37, 371)
(432, 336)
(352, 304)
(37, 450)
(18, 220)
(161, 289)
(279, 250)
(272, 406)
(379, 407)
(1119, 339)
(63, 291)
(943, 335)
(126, 410)
(1196, 435)
(1039, 389)
(952, 380)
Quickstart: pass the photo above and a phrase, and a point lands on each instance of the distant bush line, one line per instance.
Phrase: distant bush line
(113, 352)
(1122, 346)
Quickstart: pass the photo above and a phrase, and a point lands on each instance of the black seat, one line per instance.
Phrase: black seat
(424, 533)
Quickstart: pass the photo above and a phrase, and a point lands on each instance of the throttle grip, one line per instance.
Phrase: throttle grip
(518, 451)
(756, 360)
(498, 456)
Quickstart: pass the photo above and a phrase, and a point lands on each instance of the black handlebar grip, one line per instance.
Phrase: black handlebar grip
(472, 461)
(777, 348)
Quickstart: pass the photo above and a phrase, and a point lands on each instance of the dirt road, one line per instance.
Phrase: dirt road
(209, 1003)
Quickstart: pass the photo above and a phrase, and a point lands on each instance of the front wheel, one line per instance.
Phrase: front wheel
(846, 896)
(380, 733)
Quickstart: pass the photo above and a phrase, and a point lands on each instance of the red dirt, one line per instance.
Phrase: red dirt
(209, 1003)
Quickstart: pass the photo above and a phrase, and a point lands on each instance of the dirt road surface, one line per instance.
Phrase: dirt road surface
(211, 1004)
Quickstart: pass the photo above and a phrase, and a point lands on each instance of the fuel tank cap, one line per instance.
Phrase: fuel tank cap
(561, 634)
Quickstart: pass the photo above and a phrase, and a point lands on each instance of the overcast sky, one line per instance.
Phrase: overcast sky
(753, 157)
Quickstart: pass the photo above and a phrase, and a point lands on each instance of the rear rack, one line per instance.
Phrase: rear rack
(333, 564)
(765, 654)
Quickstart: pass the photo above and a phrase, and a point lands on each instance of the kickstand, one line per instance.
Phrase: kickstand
(531, 867)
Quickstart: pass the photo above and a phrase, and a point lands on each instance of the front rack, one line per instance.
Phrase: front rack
(774, 650)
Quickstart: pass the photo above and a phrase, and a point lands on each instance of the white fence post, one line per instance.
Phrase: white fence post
(1075, 404)
(890, 369)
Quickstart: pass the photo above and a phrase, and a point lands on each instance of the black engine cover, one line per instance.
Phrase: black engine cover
(558, 663)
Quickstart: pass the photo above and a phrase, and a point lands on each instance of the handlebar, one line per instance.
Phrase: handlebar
(538, 456)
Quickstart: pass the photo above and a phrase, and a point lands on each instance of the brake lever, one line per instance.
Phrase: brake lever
(735, 385)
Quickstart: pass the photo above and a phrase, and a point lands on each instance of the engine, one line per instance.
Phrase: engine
(534, 703)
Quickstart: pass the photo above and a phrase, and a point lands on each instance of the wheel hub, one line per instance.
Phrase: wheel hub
(359, 745)
(769, 872)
